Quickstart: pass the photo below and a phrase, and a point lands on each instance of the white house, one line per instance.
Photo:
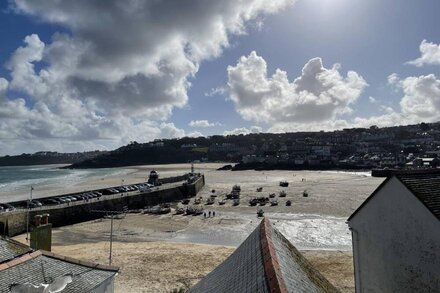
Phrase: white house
(396, 235)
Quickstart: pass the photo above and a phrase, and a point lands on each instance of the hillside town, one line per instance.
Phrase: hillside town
(412, 146)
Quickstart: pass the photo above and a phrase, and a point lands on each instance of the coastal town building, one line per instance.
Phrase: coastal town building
(265, 262)
(395, 235)
(24, 270)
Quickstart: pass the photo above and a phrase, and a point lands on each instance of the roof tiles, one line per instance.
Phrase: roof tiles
(265, 262)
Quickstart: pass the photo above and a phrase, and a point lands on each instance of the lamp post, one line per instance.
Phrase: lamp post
(27, 215)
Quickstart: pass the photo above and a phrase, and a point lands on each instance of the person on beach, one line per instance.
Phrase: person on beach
(209, 213)
(213, 213)
(204, 215)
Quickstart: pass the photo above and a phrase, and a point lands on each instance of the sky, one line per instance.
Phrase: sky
(94, 74)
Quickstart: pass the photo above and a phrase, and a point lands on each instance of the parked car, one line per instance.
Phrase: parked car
(36, 202)
(49, 201)
(7, 207)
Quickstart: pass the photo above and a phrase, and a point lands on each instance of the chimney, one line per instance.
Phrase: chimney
(45, 219)
(41, 234)
(37, 220)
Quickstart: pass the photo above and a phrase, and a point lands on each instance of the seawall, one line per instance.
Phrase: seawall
(14, 222)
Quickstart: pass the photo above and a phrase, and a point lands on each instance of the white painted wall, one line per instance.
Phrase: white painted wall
(396, 243)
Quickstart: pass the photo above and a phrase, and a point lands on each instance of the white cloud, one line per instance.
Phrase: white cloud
(195, 134)
(430, 54)
(420, 103)
(317, 99)
(243, 130)
(119, 69)
(421, 97)
(203, 123)
(317, 96)
(372, 99)
(393, 78)
(215, 91)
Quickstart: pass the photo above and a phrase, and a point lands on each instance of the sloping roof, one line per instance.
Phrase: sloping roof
(424, 184)
(10, 249)
(42, 267)
(426, 187)
(265, 262)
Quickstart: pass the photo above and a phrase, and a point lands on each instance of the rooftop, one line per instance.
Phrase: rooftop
(10, 249)
(41, 267)
(424, 184)
(426, 187)
(265, 262)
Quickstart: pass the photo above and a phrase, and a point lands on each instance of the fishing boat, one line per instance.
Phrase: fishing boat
(180, 211)
(185, 201)
(305, 193)
(190, 211)
(210, 201)
(272, 195)
(236, 202)
(274, 202)
(221, 202)
(198, 212)
(284, 183)
(260, 213)
(259, 189)
(288, 203)
(282, 193)
(197, 201)
(253, 202)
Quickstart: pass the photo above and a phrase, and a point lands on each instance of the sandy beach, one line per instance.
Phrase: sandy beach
(159, 253)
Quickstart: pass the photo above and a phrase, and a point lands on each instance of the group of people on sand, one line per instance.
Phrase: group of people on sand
(209, 214)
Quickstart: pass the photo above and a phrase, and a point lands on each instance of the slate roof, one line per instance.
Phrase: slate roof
(265, 262)
(424, 184)
(426, 187)
(41, 267)
(10, 249)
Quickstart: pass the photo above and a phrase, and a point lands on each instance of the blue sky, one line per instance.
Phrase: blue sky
(139, 89)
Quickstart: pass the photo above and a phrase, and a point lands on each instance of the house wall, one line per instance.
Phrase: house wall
(396, 243)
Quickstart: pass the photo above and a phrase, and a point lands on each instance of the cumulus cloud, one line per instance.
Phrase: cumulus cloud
(319, 98)
(318, 95)
(118, 69)
(243, 130)
(372, 99)
(430, 54)
(421, 97)
(420, 103)
(203, 123)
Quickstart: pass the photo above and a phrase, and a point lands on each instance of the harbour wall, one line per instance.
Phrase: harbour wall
(14, 222)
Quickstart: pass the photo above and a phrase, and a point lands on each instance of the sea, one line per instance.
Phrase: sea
(19, 179)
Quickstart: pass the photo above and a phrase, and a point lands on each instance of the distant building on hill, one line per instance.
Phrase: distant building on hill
(396, 235)
(265, 262)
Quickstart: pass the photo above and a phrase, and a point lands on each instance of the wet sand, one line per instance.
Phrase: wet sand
(157, 253)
